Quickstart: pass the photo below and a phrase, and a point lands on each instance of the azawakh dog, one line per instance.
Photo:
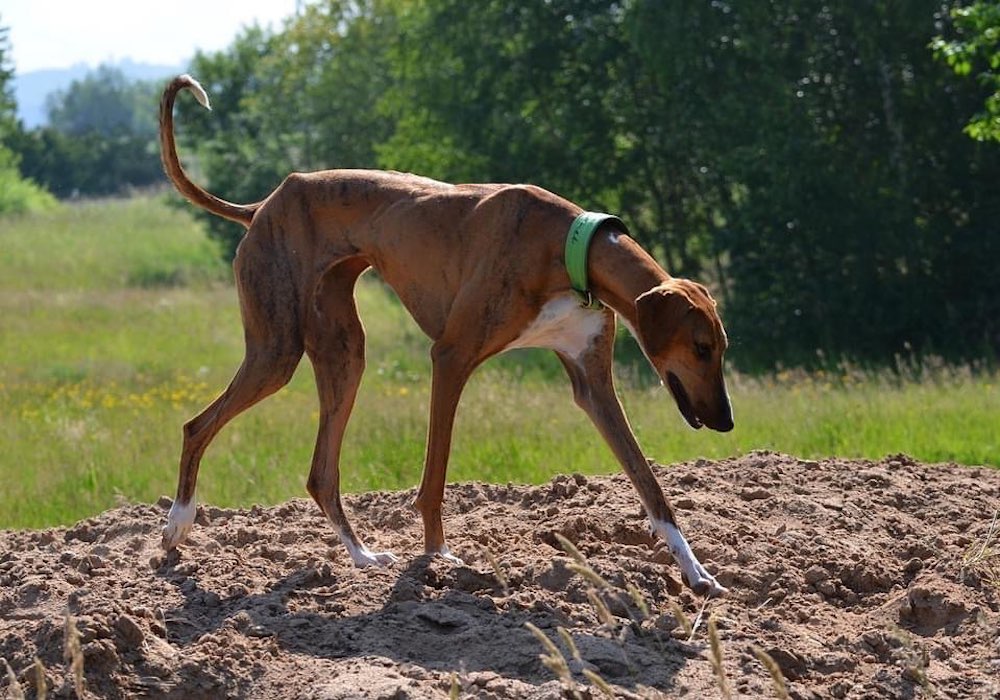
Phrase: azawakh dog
(481, 269)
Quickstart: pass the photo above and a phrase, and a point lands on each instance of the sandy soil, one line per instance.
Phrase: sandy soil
(848, 573)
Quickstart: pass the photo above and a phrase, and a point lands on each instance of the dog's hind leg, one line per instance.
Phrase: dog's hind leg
(593, 390)
(335, 343)
(273, 350)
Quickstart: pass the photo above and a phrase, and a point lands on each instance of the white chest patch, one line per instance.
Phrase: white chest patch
(563, 325)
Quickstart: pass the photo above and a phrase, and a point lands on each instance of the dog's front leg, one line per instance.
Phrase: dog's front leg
(593, 390)
(451, 370)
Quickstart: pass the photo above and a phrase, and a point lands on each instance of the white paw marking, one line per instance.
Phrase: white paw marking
(362, 556)
(179, 522)
(446, 554)
(695, 575)
(365, 557)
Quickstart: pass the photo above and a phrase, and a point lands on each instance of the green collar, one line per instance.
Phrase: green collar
(581, 232)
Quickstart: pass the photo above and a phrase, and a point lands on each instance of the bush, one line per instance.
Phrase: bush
(19, 195)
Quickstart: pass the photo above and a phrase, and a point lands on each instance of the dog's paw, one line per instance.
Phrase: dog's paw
(704, 583)
(694, 574)
(173, 535)
(446, 554)
(365, 557)
(179, 522)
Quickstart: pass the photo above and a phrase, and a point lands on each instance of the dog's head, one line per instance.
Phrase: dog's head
(683, 337)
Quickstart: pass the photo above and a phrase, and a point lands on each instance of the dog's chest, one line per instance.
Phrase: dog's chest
(562, 325)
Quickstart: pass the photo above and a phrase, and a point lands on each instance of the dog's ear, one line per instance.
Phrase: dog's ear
(659, 313)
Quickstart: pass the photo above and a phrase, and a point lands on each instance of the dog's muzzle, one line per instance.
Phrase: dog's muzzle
(719, 418)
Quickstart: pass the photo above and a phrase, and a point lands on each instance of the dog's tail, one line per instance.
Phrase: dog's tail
(240, 213)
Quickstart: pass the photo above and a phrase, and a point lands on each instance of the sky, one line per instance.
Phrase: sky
(62, 33)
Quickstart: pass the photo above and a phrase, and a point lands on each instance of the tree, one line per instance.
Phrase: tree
(805, 157)
(556, 93)
(101, 138)
(803, 153)
(107, 103)
(235, 155)
(17, 194)
(8, 107)
(859, 201)
(977, 45)
(304, 98)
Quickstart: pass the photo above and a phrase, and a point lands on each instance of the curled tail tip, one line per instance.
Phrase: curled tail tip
(197, 89)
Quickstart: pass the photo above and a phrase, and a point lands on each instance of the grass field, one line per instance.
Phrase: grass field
(118, 323)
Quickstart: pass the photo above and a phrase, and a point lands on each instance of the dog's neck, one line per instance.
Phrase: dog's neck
(620, 271)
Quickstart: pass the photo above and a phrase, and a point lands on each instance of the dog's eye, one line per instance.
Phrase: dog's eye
(702, 351)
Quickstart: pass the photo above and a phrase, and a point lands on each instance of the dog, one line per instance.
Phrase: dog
(482, 268)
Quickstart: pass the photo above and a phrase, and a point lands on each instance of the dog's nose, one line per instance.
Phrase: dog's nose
(724, 425)
(722, 421)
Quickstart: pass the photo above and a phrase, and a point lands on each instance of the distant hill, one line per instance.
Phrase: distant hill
(31, 88)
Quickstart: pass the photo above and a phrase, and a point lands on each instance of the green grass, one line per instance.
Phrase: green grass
(118, 323)
(105, 246)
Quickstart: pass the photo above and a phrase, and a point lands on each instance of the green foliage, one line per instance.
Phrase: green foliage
(101, 140)
(805, 158)
(8, 107)
(976, 46)
(17, 194)
(559, 94)
(107, 103)
(863, 203)
(302, 99)
(89, 164)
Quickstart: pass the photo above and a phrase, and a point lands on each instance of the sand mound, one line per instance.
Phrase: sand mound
(849, 574)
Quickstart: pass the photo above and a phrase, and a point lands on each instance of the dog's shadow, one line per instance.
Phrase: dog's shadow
(428, 624)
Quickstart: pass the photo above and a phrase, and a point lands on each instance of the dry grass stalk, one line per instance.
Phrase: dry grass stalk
(599, 683)
(697, 621)
(570, 644)
(554, 660)
(497, 571)
(636, 595)
(763, 605)
(915, 660)
(41, 687)
(73, 653)
(590, 575)
(603, 613)
(456, 691)
(580, 566)
(717, 667)
(15, 691)
(682, 619)
(984, 558)
(570, 549)
(780, 689)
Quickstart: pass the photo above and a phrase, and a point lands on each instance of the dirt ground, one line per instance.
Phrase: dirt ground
(851, 575)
